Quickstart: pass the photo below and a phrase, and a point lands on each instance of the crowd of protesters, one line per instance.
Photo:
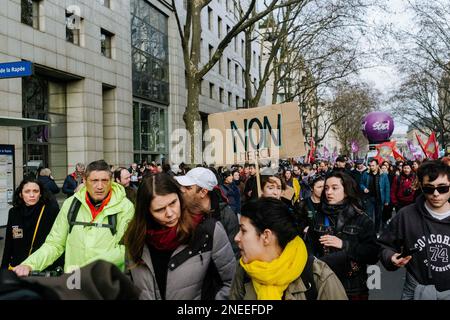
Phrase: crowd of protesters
(225, 233)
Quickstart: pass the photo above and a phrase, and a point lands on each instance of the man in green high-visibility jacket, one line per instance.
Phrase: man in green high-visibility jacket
(94, 233)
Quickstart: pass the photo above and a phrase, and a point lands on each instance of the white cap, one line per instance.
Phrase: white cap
(202, 177)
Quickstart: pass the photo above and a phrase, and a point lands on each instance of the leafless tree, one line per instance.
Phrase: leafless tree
(308, 47)
(355, 101)
(423, 99)
(190, 31)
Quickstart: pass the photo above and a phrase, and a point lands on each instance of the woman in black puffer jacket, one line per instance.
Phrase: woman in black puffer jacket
(343, 236)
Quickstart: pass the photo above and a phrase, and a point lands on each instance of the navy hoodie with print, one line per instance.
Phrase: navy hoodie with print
(414, 226)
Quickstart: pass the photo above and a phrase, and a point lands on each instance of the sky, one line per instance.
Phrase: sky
(384, 76)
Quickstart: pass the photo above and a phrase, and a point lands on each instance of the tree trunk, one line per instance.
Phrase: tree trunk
(192, 118)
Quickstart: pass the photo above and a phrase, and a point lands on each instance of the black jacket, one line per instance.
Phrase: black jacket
(49, 184)
(251, 185)
(413, 226)
(359, 249)
(20, 229)
(222, 212)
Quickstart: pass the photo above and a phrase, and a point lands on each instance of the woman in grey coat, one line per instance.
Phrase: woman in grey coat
(173, 255)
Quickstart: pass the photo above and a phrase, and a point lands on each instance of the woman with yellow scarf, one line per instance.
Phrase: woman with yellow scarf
(274, 260)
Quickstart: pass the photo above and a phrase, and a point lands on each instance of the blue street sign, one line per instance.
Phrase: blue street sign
(16, 69)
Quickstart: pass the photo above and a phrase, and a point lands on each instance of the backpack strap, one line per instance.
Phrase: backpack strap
(307, 277)
(73, 213)
(112, 221)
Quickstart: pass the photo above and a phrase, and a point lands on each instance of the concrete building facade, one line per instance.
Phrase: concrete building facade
(81, 82)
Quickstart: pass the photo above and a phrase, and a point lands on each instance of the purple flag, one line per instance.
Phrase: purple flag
(326, 153)
(334, 155)
(355, 146)
(415, 152)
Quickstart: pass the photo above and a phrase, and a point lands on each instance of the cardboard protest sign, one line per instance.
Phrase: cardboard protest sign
(270, 132)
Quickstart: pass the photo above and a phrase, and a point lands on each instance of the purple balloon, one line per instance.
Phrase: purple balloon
(377, 126)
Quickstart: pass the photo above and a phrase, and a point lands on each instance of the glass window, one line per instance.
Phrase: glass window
(105, 3)
(210, 19)
(219, 27)
(44, 100)
(106, 40)
(221, 95)
(211, 90)
(30, 13)
(149, 132)
(73, 26)
(150, 57)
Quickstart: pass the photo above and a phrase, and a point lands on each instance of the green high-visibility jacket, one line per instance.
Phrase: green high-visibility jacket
(86, 244)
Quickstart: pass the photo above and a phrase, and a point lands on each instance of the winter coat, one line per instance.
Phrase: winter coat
(251, 185)
(222, 212)
(357, 175)
(84, 245)
(383, 186)
(414, 226)
(327, 284)
(70, 184)
(233, 195)
(20, 229)
(401, 190)
(49, 184)
(185, 279)
(360, 249)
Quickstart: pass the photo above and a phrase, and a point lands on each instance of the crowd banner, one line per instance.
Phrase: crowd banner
(263, 133)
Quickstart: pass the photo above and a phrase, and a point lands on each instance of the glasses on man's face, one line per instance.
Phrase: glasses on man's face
(440, 189)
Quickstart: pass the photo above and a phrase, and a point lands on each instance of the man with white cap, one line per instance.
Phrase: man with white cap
(201, 195)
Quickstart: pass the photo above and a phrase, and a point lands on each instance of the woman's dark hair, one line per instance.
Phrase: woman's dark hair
(314, 179)
(272, 214)
(45, 194)
(159, 184)
(433, 169)
(166, 167)
(225, 174)
(351, 190)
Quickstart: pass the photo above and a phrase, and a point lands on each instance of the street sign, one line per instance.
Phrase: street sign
(16, 69)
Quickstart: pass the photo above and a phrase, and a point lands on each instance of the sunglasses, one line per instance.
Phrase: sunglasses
(440, 189)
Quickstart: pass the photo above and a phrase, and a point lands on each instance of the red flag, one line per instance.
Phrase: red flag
(312, 150)
(432, 147)
(397, 155)
(422, 146)
(385, 150)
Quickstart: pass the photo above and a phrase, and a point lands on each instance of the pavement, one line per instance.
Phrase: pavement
(391, 284)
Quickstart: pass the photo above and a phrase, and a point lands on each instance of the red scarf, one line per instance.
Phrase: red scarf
(166, 239)
(95, 211)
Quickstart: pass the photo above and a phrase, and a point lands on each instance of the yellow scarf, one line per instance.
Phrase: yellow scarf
(270, 279)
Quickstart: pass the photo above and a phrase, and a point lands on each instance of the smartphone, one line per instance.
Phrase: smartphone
(407, 252)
